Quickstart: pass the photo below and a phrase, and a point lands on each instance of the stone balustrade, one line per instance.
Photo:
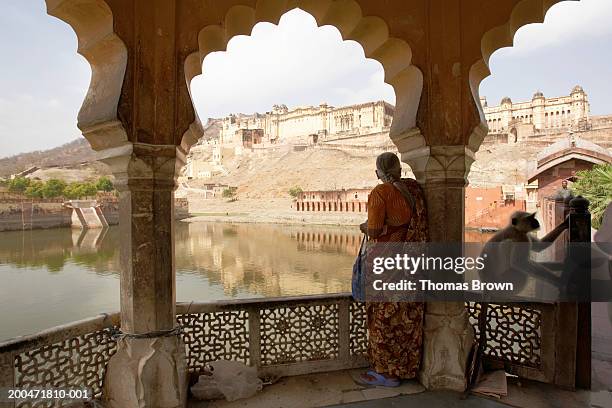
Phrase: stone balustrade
(280, 336)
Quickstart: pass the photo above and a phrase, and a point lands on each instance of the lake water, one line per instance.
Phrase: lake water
(52, 277)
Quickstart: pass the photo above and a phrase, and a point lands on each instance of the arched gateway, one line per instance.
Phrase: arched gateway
(139, 116)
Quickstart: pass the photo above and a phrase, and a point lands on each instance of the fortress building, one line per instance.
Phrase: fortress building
(538, 115)
(363, 129)
(305, 124)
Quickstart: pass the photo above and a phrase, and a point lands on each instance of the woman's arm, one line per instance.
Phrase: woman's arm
(376, 214)
(363, 227)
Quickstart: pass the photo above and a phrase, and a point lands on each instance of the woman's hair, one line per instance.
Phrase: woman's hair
(388, 167)
(389, 170)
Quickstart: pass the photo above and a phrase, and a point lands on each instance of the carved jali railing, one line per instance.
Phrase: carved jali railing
(280, 336)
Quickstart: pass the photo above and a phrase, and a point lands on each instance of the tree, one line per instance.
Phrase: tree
(104, 184)
(35, 189)
(73, 191)
(230, 192)
(295, 191)
(18, 184)
(54, 188)
(89, 189)
(596, 186)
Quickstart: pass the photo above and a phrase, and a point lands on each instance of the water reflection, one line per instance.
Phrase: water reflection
(267, 260)
(51, 277)
(52, 249)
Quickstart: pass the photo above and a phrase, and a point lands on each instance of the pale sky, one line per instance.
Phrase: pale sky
(43, 80)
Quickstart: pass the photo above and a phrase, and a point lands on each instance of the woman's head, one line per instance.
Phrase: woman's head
(388, 167)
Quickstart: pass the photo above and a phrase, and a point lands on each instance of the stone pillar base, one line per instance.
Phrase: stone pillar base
(448, 338)
(147, 373)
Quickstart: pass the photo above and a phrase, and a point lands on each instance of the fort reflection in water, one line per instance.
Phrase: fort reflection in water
(50, 277)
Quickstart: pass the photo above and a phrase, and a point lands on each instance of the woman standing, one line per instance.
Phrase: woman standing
(396, 213)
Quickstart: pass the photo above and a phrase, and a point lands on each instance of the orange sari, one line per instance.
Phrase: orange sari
(396, 329)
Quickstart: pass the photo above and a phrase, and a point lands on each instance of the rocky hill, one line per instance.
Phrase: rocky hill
(69, 154)
(273, 174)
(212, 128)
(502, 164)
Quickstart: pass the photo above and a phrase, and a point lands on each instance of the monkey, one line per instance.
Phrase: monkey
(508, 252)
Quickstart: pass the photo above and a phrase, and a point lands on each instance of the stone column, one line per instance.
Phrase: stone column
(448, 335)
(149, 368)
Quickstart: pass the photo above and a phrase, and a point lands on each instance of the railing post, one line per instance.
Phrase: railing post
(580, 232)
(566, 337)
(579, 220)
(7, 375)
(254, 337)
(344, 330)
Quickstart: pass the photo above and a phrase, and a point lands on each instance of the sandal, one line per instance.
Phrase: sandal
(378, 380)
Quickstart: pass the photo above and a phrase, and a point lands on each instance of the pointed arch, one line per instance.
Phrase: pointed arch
(525, 12)
(372, 33)
(92, 21)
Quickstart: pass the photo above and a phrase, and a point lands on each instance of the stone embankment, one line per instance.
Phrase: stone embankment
(272, 211)
(15, 217)
(18, 214)
(41, 214)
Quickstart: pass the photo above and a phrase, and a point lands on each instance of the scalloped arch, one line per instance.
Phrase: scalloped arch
(371, 32)
(525, 12)
(92, 21)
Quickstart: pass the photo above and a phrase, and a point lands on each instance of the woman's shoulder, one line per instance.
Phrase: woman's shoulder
(410, 182)
(414, 187)
(382, 187)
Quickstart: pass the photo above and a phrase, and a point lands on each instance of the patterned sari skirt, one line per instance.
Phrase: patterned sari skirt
(395, 337)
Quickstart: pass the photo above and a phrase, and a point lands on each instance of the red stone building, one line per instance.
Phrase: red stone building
(558, 162)
(351, 200)
(562, 160)
(490, 208)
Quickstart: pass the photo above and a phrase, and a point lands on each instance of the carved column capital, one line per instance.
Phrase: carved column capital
(440, 164)
(144, 167)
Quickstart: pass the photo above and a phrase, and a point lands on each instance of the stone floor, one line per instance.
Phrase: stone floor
(543, 398)
(432, 399)
(337, 389)
(315, 390)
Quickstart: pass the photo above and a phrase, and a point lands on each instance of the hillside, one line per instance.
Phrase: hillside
(72, 153)
(212, 128)
(502, 164)
(272, 175)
